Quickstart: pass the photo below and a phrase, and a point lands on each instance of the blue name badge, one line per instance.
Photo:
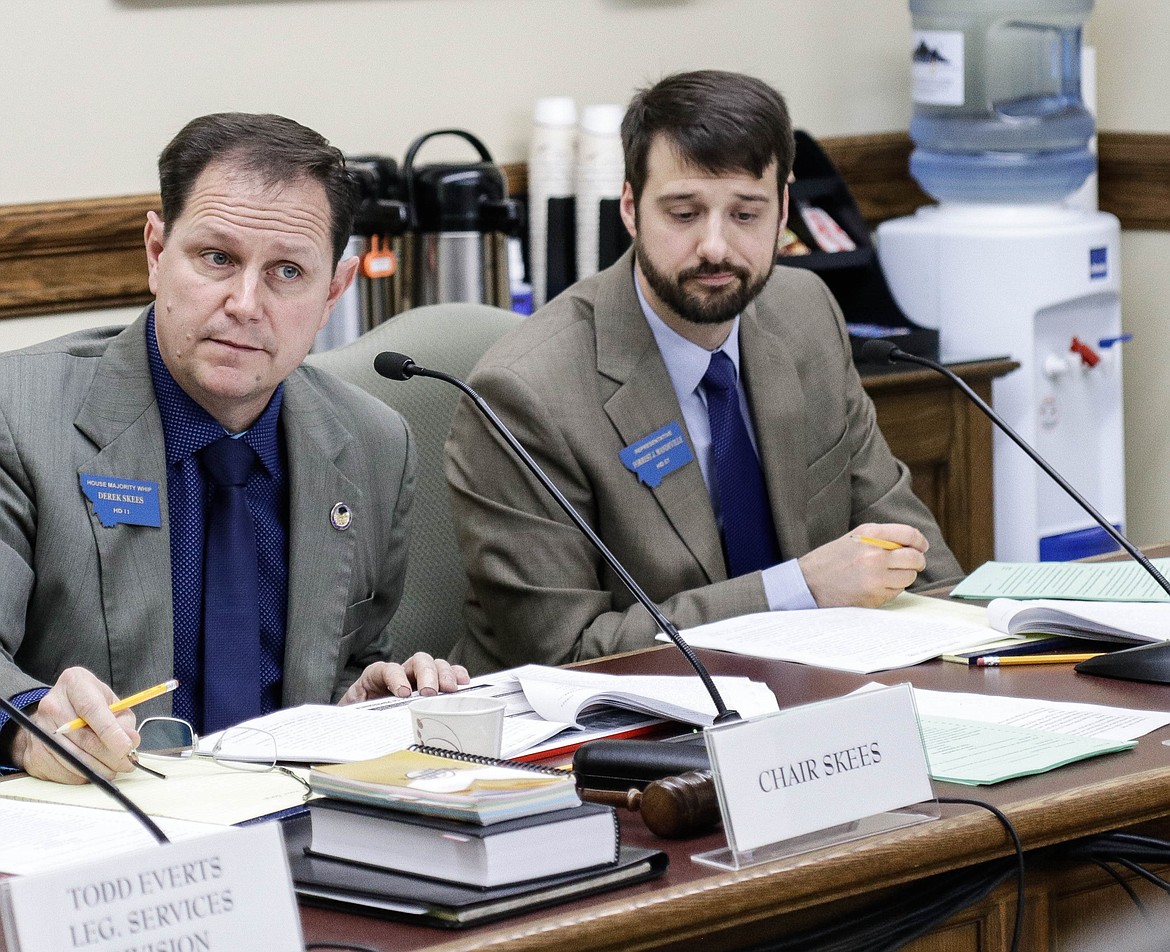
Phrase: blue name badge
(656, 456)
(119, 500)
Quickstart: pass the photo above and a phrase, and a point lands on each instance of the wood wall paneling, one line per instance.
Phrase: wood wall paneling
(87, 254)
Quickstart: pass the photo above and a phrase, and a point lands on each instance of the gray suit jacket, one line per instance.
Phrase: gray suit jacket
(583, 379)
(73, 592)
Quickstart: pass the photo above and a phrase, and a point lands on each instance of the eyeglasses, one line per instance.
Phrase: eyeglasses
(171, 738)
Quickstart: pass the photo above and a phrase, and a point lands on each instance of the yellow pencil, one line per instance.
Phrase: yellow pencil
(880, 543)
(991, 661)
(125, 704)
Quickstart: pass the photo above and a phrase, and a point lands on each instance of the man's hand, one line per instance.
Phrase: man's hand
(429, 675)
(103, 745)
(848, 572)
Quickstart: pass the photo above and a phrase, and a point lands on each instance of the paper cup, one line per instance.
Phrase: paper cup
(469, 725)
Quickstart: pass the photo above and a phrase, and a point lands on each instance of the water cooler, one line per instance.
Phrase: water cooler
(1003, 267)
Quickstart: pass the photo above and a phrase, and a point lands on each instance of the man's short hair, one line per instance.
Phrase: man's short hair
(716, 121)
(277, 149)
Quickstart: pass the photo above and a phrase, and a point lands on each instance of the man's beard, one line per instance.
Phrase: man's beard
(714, 305)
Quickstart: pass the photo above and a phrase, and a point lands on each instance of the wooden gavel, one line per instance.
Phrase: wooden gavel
(673, 807)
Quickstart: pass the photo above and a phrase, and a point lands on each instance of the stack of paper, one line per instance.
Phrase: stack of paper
(983, 739)
(1086, 581)
(910, 630)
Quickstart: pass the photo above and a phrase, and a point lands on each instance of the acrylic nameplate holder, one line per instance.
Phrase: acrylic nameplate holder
(227, 890)
(818, 775)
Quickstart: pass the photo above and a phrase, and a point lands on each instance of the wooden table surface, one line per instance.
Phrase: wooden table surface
(728, 909)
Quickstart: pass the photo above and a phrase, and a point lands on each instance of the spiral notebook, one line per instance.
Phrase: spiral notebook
(449, 785)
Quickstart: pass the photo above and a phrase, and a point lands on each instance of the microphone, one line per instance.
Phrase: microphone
(1145, 663)
(400, 367)
(16, 714)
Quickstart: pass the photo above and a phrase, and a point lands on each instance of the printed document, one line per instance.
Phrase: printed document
(564, 694)
(861, 640)
(1089, 581)
(553, 718)
(984, 739)
(43, 836)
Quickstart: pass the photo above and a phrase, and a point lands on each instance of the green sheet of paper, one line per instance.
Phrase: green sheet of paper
(1089, 581)
(974, 753)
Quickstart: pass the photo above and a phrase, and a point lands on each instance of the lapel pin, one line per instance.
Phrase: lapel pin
(340, 516)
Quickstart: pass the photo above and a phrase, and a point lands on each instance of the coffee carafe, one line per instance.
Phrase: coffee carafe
(380, 222)
(461, 217)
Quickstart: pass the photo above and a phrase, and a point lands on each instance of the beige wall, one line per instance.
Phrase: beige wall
(94, 88)
(1133, 74)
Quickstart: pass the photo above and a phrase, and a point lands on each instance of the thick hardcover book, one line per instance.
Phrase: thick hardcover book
(338, 885)
(532, 847)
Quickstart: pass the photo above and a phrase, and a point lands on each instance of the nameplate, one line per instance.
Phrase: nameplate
(815, 767)
(117, 500)
(218, 893)
(657, 455)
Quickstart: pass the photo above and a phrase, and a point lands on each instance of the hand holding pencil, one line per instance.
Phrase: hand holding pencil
(866, 567)
(105, 746)
(125, 704)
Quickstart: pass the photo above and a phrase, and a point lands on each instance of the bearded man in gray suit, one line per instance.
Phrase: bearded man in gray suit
(698, 406)
(109, 578)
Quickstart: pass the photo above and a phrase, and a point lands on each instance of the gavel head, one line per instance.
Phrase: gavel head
(682, 806)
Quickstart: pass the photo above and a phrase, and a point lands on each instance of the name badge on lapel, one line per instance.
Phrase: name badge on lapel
(117, 499)
(656, 456)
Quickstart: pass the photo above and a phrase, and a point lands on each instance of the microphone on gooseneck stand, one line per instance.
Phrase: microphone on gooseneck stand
(1145, 663)
(400, 367)
(92, 775)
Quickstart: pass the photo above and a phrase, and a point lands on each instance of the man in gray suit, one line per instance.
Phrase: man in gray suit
(699, 406)
(110, 504)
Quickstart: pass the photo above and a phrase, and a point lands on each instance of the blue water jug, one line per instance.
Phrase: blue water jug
(998, 114)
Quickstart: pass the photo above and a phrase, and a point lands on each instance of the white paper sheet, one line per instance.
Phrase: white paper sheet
(860, 640)
(43, 836)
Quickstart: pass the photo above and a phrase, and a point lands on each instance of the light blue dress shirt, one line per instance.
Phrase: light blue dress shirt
(686, 363)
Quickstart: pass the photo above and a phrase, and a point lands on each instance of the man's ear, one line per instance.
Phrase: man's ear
(784, 208)
(343, 276)
(629, 210)
(154, 235)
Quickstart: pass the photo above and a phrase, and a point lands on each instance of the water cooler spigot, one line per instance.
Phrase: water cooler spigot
(1089, 357)
(1055, 367)
(1107, 343)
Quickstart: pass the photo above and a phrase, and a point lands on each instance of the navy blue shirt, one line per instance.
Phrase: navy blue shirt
(187, 428)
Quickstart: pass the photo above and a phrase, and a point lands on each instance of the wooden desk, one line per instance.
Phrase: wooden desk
(946, 441)
(725, 910)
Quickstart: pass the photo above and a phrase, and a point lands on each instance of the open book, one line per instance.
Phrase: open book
(1129, 623)
(546, 709)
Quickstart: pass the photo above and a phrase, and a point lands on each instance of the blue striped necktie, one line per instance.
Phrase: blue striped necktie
(749, 535)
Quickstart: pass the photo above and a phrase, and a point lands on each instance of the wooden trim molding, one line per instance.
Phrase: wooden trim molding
(87, 254)
(1133, 178)
(73, 255)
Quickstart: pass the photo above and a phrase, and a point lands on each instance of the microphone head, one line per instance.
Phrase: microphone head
(394, 366)
(879, 351)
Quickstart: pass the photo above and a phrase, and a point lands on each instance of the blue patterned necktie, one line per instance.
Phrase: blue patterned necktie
(749, 535)
(231, 590)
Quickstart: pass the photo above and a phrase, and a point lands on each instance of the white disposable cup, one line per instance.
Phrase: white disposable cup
(469, 725)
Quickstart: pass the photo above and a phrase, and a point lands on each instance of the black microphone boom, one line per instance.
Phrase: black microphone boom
(400, 367)
(1145, 663)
